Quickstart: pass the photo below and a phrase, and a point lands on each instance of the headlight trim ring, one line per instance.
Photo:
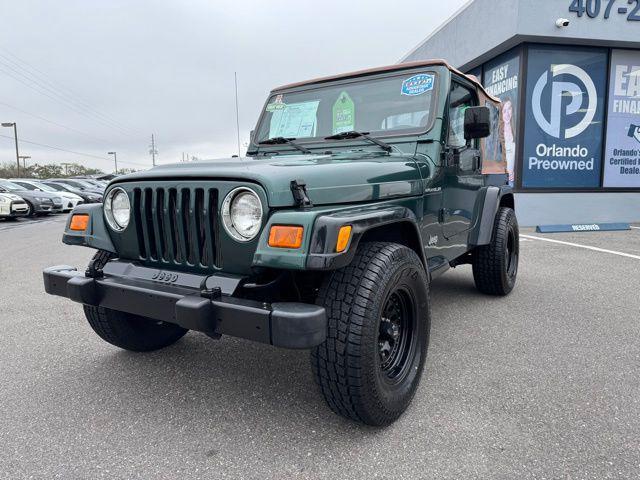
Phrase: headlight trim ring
(227, 221)
(108, 209)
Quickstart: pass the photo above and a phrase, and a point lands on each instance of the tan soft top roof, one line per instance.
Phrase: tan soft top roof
(389, 68)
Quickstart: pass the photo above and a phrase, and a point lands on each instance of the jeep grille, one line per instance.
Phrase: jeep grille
(177, 225)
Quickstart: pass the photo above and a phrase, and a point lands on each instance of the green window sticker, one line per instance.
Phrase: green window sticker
(272, 107)
(344, 114)
(294, 120)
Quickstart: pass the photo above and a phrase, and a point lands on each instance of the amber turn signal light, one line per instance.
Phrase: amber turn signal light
(343, 238)
(285, 236)
(79, 222)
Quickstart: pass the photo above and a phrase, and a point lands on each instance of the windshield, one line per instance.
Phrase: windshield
(401, 104)
(26, 185)
(56, 187)
(78, 183)
(44, 187)
(11, 187)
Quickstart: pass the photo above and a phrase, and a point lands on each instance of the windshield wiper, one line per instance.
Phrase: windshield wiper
(353, 134)
(285, 141)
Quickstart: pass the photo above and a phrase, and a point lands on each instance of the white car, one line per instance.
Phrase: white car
(69, 200)
(12, 206)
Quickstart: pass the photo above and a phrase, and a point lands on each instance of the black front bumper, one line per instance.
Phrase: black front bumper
(180, 298)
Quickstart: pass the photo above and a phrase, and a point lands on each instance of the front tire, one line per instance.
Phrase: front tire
(132, 332)
(369, 367)
(128, 331)
(495, 266)
(30, 210)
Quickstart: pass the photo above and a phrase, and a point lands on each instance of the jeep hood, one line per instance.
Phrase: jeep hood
(330, 179)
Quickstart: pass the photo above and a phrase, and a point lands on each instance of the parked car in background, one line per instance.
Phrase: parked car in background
(69, 200)
(86, 196)
(79, 184)
(12, 206)
(39, 203)
(93, 181)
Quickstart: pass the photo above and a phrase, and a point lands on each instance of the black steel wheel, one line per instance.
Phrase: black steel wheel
(369, 367)
(395, 335)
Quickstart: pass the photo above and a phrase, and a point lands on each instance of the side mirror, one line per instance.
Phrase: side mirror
(477, 123)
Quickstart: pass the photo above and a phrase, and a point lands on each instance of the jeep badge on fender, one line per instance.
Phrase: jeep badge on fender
(356, 192)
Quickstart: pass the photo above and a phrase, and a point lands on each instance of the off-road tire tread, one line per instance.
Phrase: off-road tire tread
(346, 295)
(488, 260)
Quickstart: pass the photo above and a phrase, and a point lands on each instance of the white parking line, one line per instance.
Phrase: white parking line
(587, 247)
(635, 228)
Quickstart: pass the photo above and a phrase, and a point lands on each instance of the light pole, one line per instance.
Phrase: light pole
(115, 159)
(15, 134)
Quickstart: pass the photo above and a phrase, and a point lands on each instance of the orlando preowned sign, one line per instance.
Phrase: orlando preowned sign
(564, 117)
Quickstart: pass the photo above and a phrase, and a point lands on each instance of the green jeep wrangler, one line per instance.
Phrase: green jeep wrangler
(357, 191)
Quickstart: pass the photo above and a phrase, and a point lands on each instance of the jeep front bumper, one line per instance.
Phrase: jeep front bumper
(195, 302)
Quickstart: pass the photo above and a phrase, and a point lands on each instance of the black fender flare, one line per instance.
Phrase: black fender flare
(491, 201)
(322, 255)
(96, 235)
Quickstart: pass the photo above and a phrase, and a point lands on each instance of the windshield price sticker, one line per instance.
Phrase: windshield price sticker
(418, 84)
(295, 120)
(593, 8)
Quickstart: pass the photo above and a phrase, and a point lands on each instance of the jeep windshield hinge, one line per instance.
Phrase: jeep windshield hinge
(299, 190)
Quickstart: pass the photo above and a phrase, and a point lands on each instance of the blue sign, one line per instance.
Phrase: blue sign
(564, 116)
(622, 155)
(418, 84)
(593, 227)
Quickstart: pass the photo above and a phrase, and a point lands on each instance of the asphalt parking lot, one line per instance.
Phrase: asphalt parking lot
(542, 384)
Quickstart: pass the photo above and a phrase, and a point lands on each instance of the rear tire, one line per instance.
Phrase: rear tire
(127, 331)
(495, 266)
(369, 367)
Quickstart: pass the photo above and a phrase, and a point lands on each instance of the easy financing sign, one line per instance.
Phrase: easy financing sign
(622, 159)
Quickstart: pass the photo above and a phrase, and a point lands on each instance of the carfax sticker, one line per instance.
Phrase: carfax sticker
(277, 104)
(418, 84)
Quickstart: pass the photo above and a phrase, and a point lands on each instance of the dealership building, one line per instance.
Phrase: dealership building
(568, 75)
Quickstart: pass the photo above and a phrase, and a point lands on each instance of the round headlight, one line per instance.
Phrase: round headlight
(117, 209)
(242, 214)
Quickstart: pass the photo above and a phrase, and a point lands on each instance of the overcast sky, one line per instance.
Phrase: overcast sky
(94, 76)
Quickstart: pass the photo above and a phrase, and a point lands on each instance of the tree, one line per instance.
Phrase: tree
(48, 170)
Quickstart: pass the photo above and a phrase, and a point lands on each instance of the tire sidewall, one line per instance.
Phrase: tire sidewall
(511, 229)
